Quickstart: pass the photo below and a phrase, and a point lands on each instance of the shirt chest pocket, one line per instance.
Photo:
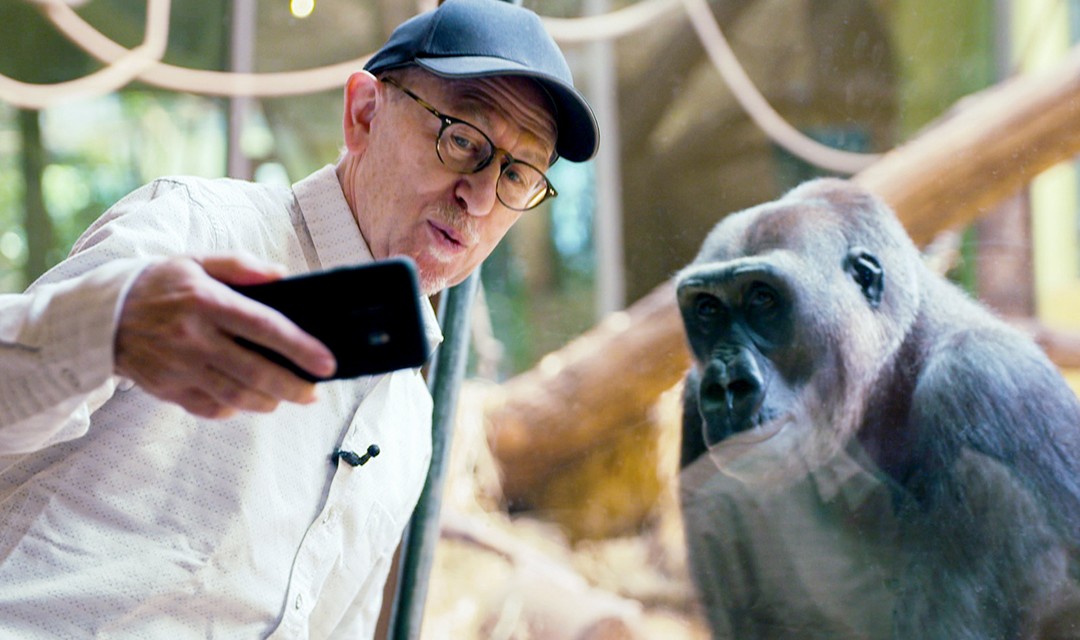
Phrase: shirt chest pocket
(368, 533)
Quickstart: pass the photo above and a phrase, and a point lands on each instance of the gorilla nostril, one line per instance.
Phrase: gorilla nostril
(742, 387)
(714, 391)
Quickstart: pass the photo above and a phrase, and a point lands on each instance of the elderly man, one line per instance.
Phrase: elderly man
(159, 480)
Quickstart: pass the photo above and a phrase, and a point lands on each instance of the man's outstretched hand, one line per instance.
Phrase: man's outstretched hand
(176, 339)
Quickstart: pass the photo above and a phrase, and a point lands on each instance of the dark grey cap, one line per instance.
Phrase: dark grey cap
(478, 38)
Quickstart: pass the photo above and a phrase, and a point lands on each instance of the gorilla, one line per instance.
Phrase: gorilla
(866, 451)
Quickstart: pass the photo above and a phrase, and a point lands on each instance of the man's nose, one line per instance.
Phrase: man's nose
(477, 190)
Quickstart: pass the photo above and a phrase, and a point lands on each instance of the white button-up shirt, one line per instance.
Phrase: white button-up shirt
(124, 516)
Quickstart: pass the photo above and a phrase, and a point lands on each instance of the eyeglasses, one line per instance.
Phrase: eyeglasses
(463, 148)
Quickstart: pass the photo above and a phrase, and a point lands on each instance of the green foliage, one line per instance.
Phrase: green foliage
(33, 51)
(944, 52)
(12, 238)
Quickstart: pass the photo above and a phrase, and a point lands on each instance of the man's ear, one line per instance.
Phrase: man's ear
(361, 97)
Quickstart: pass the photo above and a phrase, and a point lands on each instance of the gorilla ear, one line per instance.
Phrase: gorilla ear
(868, 274)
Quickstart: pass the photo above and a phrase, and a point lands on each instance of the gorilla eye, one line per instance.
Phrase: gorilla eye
(706, 306)
(761, 296)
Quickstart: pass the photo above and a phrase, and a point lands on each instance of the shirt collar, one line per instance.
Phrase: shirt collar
(330, 221)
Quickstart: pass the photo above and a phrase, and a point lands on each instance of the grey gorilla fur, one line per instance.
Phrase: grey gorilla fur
(816, 312)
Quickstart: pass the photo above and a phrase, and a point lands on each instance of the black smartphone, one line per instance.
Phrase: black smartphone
(367, 315)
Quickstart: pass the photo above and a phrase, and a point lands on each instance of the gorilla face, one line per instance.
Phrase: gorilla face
(738, 317)
(785, 304)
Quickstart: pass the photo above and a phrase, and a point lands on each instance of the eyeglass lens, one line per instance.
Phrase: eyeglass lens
(465, 149)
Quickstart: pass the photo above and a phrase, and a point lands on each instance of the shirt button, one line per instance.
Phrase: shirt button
(299, 601)
(329, 516)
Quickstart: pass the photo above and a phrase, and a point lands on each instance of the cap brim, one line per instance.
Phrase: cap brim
(579, 135)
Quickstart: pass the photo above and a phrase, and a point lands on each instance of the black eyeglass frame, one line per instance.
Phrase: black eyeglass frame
(547, 192)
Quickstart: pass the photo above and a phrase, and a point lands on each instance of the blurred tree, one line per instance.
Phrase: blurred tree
(34, 52)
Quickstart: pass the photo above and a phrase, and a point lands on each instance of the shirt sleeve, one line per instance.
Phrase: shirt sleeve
(56, 355)
(56, 339)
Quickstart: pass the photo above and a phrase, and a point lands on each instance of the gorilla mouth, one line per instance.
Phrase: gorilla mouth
(750, 439)
(723, 425)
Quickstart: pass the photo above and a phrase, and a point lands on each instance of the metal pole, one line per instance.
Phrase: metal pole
(607, 224)
(418, 544)
(241, 60)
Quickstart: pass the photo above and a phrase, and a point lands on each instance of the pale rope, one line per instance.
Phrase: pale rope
(125, 67)
(144, 63)
(578, 30)
(758, 108)
(217, 83)
(609, 26)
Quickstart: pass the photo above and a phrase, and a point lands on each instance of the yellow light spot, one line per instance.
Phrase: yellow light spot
(301, 8)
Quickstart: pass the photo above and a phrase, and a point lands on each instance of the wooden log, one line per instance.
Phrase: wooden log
(986, 149)
(587, 392)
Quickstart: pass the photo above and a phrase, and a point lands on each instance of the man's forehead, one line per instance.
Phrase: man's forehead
(515, 99)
